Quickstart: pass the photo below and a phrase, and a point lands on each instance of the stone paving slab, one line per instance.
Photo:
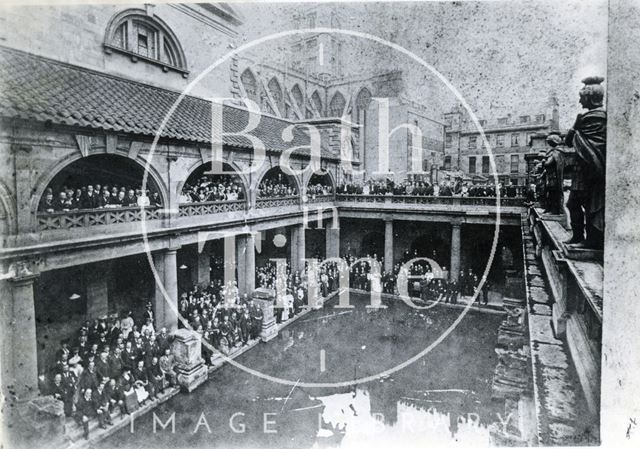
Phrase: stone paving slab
(541, 309)
(538, 295)
(540, 329)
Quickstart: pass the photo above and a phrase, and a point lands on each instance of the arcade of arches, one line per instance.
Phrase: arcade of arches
(126, 284)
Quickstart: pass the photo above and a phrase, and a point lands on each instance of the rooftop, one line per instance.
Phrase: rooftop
(41, 89)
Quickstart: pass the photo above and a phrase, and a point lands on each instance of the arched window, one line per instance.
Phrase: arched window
(298, 97)
(250, 85)
(146, 38)
(276, 93)
(336, 105)
(362, 104)
(317, 102)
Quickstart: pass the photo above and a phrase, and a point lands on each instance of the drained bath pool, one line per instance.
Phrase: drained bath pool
(443, 397)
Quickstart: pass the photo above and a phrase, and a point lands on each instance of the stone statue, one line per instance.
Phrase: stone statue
(554, 165)
(589, 139)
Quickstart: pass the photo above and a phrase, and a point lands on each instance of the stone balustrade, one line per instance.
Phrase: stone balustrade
(211, 207)
(69, 220)
(94, 217)
(264, 203)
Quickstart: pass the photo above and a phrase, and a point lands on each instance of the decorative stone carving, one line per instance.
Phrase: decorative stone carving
(186, 349)
(265, 298)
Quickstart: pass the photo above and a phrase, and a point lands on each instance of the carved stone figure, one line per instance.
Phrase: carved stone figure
(554, 165)
(589, 139)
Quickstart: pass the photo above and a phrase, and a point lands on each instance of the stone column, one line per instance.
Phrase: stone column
(332, 237)
(96, 278)
(203, 265)
(250, 264)
(454, 268)
(23, 173)
(23, 338)
(301, 247)
(388, 245)
(171, 286)
(159, 300)
(241, 263)
(293, 247)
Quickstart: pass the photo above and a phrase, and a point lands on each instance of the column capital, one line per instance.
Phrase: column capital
(22, 272)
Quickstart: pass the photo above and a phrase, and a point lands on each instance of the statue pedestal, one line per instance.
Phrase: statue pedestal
(190, 368)
(37, 422)
(582, 254)
(264, 298)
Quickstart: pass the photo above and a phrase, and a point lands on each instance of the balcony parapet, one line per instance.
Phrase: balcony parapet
(315, 199)
(211, 207)
(94, 217)
(285, 201)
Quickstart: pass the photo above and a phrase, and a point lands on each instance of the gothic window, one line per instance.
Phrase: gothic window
(250, 85)
(362, 104)
(298, 97)
(317, 102)
(145, 38)
(276, 93)
(337, 104)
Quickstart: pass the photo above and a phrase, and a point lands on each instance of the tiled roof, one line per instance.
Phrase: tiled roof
(37, 88)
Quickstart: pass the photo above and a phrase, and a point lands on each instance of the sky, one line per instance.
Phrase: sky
(503, 56)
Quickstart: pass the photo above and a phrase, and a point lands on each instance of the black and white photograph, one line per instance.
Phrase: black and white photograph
(315, 225)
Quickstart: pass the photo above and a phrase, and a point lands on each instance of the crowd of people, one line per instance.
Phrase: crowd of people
(318, 189)
(116, 362)
(229, 188)
(112, 362)
(272, 188)
(212, 188)
(97, 197)
(424, 188)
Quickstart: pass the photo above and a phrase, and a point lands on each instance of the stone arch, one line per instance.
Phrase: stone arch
(316, 101)
(322, 175)
(298, 97)
(277, 94)
(337, 104)
(197, 169)
(269, 171)
(250, 85)
(50, 175)
(166, 46)
(8, 217)
(363, 100)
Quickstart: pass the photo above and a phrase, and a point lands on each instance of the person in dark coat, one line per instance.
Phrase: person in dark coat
(85, 410)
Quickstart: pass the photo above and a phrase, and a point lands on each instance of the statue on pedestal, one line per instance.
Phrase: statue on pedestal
(589, 139)
(554, 164)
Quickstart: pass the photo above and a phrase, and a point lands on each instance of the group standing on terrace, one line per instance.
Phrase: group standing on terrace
(97, 196)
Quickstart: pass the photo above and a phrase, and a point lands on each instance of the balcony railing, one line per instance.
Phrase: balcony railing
(210, 207)
(94, 217)
(442, 200)
(264, 203)
(314, 199)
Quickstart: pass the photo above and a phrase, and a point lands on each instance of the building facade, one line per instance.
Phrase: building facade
(508, 137)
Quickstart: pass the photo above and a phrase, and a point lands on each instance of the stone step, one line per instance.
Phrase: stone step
(75, 433)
